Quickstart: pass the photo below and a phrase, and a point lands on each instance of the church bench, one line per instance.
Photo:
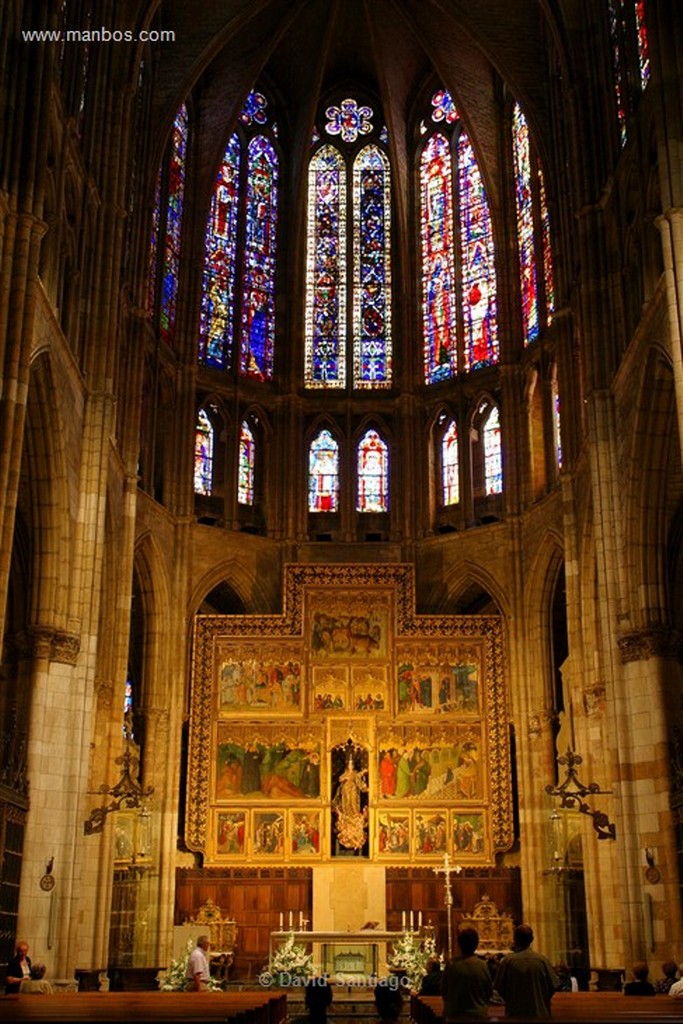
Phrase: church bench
(577, 1006)
(152, 1007)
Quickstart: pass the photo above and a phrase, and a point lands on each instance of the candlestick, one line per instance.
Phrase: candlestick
(411, 921)
(419, 919)
(282, 921)
(290, 920)
(403, 921)
(301, 919)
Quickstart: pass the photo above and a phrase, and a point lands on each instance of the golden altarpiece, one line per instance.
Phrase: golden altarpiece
(348, 727)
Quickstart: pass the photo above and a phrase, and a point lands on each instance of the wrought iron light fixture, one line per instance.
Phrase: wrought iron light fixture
(572, 793)
(127, 793)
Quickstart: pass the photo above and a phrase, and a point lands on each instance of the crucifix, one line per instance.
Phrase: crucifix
(447, 870)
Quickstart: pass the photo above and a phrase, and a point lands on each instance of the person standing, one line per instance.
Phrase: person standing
(466, 985)
(198, 974)
(18, 968)
(526, 980)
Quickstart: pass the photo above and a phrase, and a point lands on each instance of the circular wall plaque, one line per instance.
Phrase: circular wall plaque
(47, 882)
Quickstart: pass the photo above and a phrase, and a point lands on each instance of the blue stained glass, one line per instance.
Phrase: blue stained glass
(372, 270)
(325, 355)
(443, 107)
(258, 297)
(348, 120)
(438, 271)
(218, 294)
(255, 109)
(323, 474)
(373, 474)
(174, 220)
(479, 305)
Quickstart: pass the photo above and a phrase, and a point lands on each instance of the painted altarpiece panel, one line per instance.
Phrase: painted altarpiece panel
(348, 661)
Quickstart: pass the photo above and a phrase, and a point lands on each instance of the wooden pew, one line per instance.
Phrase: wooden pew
(153, 1007)
(572, 1006)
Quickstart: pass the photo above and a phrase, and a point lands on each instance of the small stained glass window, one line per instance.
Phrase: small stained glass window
(203, 454)
(373, 474)
(246, 466)
(450, 464)
(323, 473)
(493, 463)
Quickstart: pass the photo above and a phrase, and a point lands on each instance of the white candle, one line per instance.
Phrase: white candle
(282, 921)
(411, 921)
(301, 919)
(419, 919)
(290, 920)
(403, 921)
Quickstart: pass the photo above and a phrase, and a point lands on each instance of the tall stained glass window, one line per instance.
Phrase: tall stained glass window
(493, 463)
(237, 317)
(203, 454)
(536, 279)
(450, 466)
(630, 56)
(460, 326)
(557, 431)
(348, 255)
(166, 233)
(246, 461)
(323, 473)
(373, 474)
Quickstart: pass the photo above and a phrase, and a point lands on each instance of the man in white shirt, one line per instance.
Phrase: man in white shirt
(198, 965)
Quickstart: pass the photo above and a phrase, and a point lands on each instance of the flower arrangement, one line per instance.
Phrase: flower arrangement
(411, 956)
(175, 979)
(290, 961)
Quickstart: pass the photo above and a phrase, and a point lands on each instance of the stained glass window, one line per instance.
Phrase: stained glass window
(493, 465)
(450, 476)
(216, 321)
(643, 48)
(438, 260)
(459, 331)
(528, 269)
(323, 473)
(373, 474)
(557, 425)
(154, 248)
(326, 271)
(630, 56)
(203, 454)
(238, 296)
(372, 270)
(258, 300)
(246, 466)
(480, 320)
(548, 273)
(348, 257)
(173, 227)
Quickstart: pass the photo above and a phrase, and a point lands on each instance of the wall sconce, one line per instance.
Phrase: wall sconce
(127, 793)
(572, 793)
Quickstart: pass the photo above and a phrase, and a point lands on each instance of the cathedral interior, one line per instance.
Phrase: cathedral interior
(341, 519)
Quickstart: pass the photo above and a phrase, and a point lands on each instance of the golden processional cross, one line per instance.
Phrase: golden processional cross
(447, 870)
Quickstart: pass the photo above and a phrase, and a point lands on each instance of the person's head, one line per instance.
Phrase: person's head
(468, 940)
(22, 949)
(433, 966)
(640, 971)
(669, 968)
(37, 972)
(388, 1000)
(318, 995)
(524, 936)
(203, 942)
